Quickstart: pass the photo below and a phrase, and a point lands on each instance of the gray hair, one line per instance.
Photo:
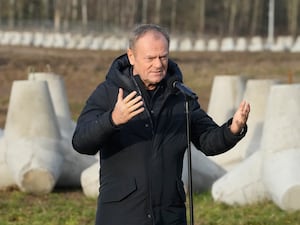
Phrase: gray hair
(142, 29)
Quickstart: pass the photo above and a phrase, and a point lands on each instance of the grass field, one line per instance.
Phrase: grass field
(71, 207)
(82, 71)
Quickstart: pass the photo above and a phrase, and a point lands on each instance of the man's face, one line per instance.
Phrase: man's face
(150, 58)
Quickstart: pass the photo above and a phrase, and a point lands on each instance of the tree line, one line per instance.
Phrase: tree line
(194, 17)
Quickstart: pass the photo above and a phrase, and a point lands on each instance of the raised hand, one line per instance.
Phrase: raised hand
(240, 118)
(126, 108)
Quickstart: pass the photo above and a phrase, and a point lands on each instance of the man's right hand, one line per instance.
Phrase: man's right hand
(126, 108)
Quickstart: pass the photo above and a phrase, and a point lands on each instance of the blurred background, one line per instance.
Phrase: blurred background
(194, 17)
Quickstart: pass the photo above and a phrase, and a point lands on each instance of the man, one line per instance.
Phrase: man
(138, 123)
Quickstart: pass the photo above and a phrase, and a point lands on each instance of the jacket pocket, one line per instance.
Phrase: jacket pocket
(118, 190)
(181, 191)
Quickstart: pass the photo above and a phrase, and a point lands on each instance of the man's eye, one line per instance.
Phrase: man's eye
(149, 59)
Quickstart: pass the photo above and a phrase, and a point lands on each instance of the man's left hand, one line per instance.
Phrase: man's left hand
(240, 118)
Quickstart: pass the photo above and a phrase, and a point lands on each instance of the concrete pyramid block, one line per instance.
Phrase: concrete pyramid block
(33, 138)
(256, 93)
(282, 125)
(59, 99)
(6, 177)
(74, 163)
(243, 184)
(90, 181)
(273, 171)
(204, 171)
(282, 178)
(226, 94)
(281, 144)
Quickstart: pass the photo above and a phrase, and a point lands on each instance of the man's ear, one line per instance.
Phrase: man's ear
(130, 56)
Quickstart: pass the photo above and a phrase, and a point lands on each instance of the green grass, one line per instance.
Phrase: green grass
(71, 207)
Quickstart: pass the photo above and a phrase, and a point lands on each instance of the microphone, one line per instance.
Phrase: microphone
(175, 83)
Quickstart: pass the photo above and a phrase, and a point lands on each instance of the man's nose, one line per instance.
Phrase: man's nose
(157, 62)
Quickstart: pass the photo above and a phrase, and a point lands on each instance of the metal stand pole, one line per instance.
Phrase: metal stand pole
(189, 158)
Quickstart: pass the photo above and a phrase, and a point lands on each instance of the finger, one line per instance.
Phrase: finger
(136, 112)
(120, 94)
(135, 106)
(130, 96)
(134, 101)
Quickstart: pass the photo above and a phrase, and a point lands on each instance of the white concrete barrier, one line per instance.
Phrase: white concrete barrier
(227, 44)
(33, 137)
(174, 43)
(185, 45)
(241, 44)
(204, 171)
(273, 171)
(226, 94)
(282, 178)
(213, 45)
(74, 163)
(90, 181)
(296, 46)
(200, 45)
(281, 144)
(256, 93)
(243, 184)
(97, 43)
(6, 177)
(59, 99)
(256, 44)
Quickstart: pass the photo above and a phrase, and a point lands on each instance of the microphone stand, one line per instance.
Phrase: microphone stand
(189, 157)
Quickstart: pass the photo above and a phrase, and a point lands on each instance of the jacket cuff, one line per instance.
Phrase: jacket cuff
(230, 136)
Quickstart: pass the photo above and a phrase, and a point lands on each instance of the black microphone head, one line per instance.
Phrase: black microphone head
(172, 81)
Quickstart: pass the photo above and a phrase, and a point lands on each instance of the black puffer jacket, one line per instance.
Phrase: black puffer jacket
(141, 161)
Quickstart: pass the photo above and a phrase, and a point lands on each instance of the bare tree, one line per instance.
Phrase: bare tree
(157, 11)
(256, 16)
(173, 15)
(11, 21)
(201, 7)
(128, 10)
(57, 15)
(232, 16)
(19, 13)
(84, 14)
(243, 22)
(67, 14)
(144, 11)
(292, 15)
(74, 10)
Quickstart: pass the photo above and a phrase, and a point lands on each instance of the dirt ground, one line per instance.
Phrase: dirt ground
(82, 70)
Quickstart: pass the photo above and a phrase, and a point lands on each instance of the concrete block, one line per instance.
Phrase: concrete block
(282, 178)
(226, 94)
(33, 138)
(213, 45)
(296, 45)
(241, 44)
(6, 178)
(256, 93)
(200, 45)
(243, 184)
(74, 163)
(174, 44)
(204, 171)
(90, 180)
(185, 45)
(227, 44)
(256, 44)
(282, 125)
